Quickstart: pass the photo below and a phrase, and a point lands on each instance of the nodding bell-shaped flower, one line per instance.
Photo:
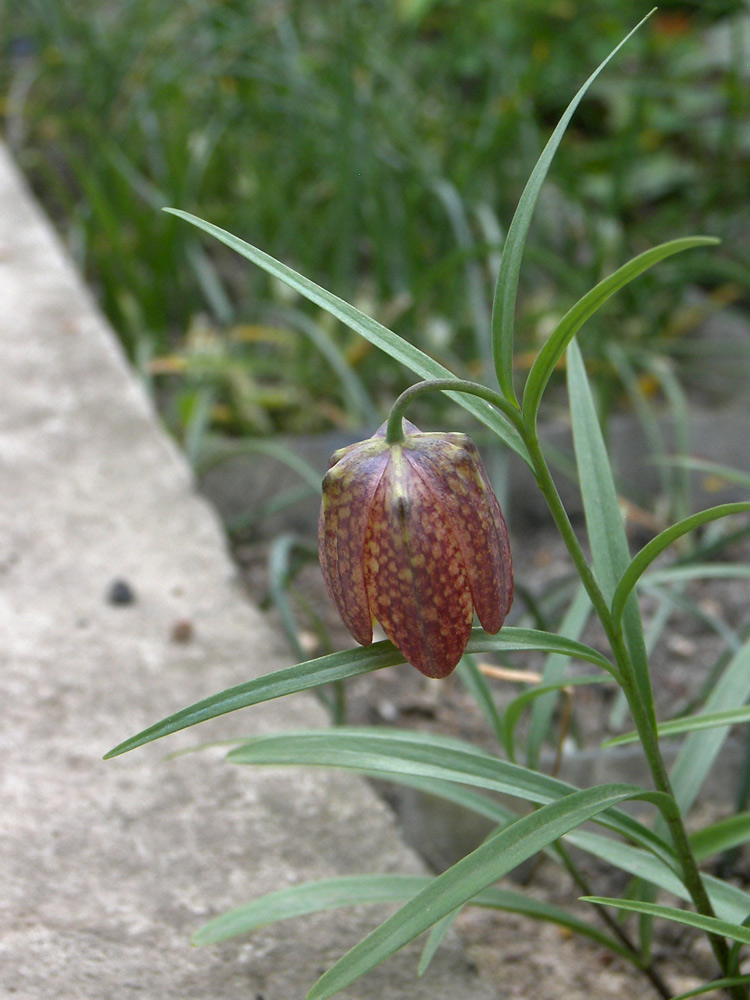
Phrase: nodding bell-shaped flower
(412, 536)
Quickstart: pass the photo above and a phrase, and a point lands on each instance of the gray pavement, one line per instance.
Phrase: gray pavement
(106, 868)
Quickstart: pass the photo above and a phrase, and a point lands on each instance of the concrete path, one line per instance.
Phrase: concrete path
(106, 868)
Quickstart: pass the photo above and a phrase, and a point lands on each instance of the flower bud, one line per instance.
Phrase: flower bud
(412, 536)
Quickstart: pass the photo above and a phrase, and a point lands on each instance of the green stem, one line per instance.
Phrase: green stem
(641, 717)
(547, 485)
(394, 431)
(673, 818)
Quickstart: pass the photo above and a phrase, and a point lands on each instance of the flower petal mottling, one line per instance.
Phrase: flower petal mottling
(348, 491)
(453, 471)
(415, 579)
(412, 535)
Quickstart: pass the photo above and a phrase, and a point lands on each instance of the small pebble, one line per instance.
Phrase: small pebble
(120, 592)
(681, 646)
(182, 630)
(388, 711)
(308, 641)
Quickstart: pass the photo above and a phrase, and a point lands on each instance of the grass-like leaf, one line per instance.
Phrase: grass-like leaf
(727, 472)
(477, 871)
(701, 748)
(701, 571)
(711, 925)
(689, 724)
(216, 450)
(341, 666)
(356, 890)
(653, 861)
(477, 685)
(663, 540)
(377, 334)
(722, 836)
(359, 399)
(511, 639)
(397, 754)
(555, 346)
(730, 902)
(312, 897)
(555, 667)
(714, 985)
(391, 752)
(506, 290)
(302, 677)
(436, 937)
(516, 708)
(604, 522)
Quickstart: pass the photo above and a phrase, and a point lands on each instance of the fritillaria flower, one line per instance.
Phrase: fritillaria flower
(412, 536)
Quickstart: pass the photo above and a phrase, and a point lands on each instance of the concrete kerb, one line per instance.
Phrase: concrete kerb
(108, 867)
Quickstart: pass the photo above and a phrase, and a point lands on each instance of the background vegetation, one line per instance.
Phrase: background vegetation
(380, 149)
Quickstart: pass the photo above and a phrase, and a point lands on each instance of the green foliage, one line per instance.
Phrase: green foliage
(709, 924)
(378, 148)
(659, 855)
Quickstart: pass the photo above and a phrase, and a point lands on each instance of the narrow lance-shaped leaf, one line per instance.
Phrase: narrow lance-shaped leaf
(722, 836)
(515, 709)
(341, 666)
(555, 666)
(436, 937)
(478, 686)
(689, 724)
(356, 890)
(712, 925)
(727, 472)
(604, 522)
(556, 344)
(312, 897)
(654, 861)
(714, 986)
(653, 549)
(377, 334)
(301, 677)
(729, 901)
(506, 290)
(701, 749)
(496, 857)
(403, 754)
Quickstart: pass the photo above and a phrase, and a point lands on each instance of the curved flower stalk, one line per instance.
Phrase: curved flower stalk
(412, 536)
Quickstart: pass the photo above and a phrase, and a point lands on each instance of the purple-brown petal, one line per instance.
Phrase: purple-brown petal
(451, 468)
(348, 490)
(414, 574)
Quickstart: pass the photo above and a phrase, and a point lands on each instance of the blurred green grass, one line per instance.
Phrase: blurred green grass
(379, 148)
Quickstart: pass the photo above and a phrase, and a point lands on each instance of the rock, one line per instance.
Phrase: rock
(108, 867)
